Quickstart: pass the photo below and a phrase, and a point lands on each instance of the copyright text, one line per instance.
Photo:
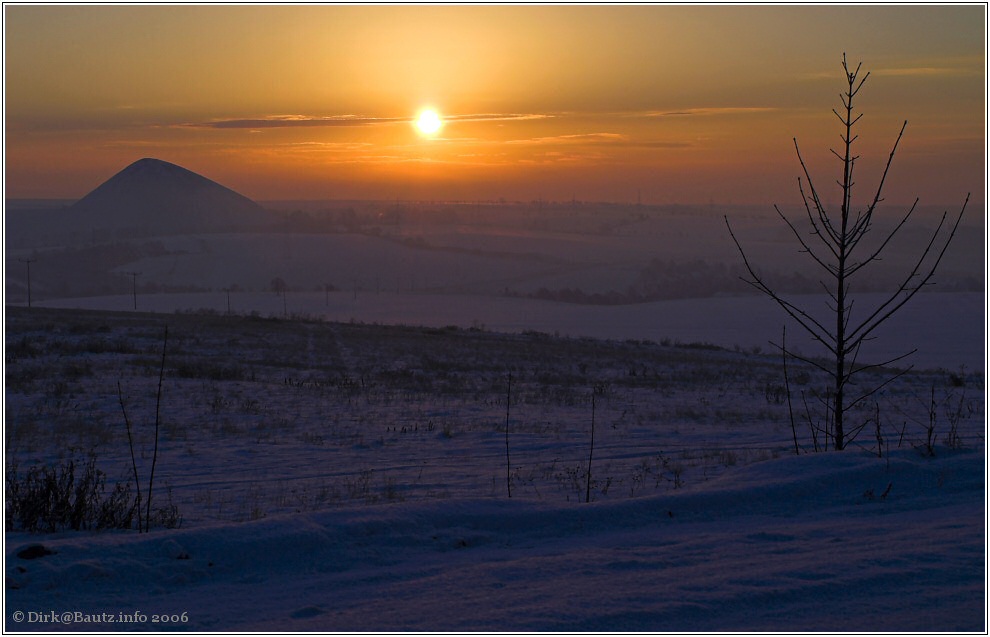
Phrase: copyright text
(67, 617)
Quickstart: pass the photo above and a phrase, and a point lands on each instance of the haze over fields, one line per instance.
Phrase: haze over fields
(577, 268)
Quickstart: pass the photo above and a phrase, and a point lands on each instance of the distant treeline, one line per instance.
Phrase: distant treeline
(570, 218)
(664, 280)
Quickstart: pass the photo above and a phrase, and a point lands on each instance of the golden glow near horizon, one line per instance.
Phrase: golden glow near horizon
(671, 103)
(428, 122)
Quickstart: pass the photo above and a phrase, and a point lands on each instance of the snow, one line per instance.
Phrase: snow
(348, 477)
(947, 329)
(792, 544)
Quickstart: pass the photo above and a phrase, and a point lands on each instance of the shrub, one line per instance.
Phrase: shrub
(69, 495)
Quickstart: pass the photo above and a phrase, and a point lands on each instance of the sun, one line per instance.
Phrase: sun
(428, 122)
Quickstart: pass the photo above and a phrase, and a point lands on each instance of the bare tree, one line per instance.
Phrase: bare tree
(833, 241)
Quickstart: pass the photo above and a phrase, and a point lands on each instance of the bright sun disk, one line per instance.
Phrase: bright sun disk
(428, 122)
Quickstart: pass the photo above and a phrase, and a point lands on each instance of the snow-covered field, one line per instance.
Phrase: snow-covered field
(354, 477)
(947, 329)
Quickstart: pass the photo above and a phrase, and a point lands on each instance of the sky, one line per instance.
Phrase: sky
(661, 104)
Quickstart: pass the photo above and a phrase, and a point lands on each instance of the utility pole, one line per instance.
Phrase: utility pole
(134, 276)
(227, 290)
(28, 262)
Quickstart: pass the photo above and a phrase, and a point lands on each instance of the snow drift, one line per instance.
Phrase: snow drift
(808, 543)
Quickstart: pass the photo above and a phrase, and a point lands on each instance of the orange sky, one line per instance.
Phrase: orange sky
(670, 104)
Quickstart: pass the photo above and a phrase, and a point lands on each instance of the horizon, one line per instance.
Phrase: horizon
(663, 105)
(38, 203)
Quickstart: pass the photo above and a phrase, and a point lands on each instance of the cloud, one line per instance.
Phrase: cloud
(292, 121)
(581, 138)
(326, 147)
(298, 121)
(613, 140)
(657, 144)
(495, 117)
(717, 110)
(922, 71)
(946, 67)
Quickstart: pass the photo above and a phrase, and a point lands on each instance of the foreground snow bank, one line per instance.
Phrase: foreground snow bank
(825, 542)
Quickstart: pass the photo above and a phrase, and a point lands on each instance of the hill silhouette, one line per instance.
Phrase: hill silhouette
(152, 196)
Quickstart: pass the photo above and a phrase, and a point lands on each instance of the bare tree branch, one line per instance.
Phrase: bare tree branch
(804, 359)
(814, 226)
(879, 315)
(822, 216)
(876, 255)
(799, 315)
(886, 382)
(876, 198)
(827, 267)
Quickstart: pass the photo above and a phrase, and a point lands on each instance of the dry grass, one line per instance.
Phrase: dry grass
(262, 415)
